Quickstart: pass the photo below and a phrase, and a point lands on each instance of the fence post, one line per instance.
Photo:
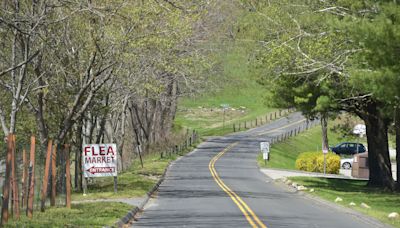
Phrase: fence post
(53, 176)
(234, 128)
(46, 176)
(24, 178)
(256, 122)
(6, 187)
(270, 116)
(68, 177)
(239, 126)
(14, 181)
(31, 182)
(275, 115)
(245, 123)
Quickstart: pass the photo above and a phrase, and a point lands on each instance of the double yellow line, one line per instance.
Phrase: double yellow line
(246, 210)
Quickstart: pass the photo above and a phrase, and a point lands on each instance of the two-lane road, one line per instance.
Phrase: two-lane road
(219, 185)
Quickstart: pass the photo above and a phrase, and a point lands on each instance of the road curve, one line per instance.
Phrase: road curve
(219, 185)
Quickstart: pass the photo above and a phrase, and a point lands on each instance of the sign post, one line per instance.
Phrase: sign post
(100, 160)
(264, 146)
(224, 107)
(324, 151)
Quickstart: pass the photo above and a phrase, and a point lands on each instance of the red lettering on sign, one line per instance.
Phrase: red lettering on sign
(102, 151)
(110, 150)
(87, 150)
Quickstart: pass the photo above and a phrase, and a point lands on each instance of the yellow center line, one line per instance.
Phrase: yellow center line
(251, 217)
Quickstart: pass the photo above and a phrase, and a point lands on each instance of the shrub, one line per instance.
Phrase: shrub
(314, 162)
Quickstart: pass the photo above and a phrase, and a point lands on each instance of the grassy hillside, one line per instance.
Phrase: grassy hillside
(284, 154)
(236, 87)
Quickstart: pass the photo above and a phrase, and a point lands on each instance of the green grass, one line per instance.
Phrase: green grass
(134, 182)
(381, 203)
(284, 154)
(237, 87)
(80, 215)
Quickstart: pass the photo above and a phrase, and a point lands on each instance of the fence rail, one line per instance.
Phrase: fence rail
(261, 120)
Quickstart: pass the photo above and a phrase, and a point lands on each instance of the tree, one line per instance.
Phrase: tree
(313, 46)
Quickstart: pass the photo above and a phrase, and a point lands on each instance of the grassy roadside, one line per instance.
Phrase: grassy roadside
(381, 203)
(134, 182)
(95, 214)
(284, 154)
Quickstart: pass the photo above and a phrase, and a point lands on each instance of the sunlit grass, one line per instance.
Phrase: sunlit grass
(381, 203)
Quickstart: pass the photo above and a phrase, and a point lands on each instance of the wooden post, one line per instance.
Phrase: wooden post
(234, 128)
(46, 176)
(245, 123)
(24, 179)
(275, 115)
(68, 177)
(270, 116)
(53, 176)
(256, 122)
(6, 186)
(31, 189)
(84, 185)
(280, 113)
(115, 184)
(14, 180)
(239, 126)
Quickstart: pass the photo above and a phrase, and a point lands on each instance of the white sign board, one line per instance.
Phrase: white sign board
(264, 146)
(325, 151)
(99, 160)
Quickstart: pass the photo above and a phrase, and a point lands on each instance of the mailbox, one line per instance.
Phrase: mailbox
(360, 167)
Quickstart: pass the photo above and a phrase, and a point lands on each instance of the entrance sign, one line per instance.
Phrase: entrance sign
(99, 160)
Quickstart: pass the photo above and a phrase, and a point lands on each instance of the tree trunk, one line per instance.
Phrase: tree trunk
(324, 126)
(380, 172)
(78, 158)
(397, 128)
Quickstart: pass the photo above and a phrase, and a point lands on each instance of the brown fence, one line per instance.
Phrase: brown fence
(33, 182)
(191, 138)
(261, 120)
(304, 126)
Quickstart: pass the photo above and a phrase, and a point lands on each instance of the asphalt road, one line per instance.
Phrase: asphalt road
(220, 185)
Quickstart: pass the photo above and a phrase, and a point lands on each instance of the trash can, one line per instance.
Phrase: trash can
(360, 167)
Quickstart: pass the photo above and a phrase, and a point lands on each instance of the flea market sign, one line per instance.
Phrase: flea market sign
(100, 160)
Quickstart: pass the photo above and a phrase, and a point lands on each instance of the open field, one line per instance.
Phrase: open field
(236, 88)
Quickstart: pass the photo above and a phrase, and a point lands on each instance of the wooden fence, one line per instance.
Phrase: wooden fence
(23, 181)
(260, 120)
(191, 138)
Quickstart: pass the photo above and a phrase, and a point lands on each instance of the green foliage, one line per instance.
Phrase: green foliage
(314, 162)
